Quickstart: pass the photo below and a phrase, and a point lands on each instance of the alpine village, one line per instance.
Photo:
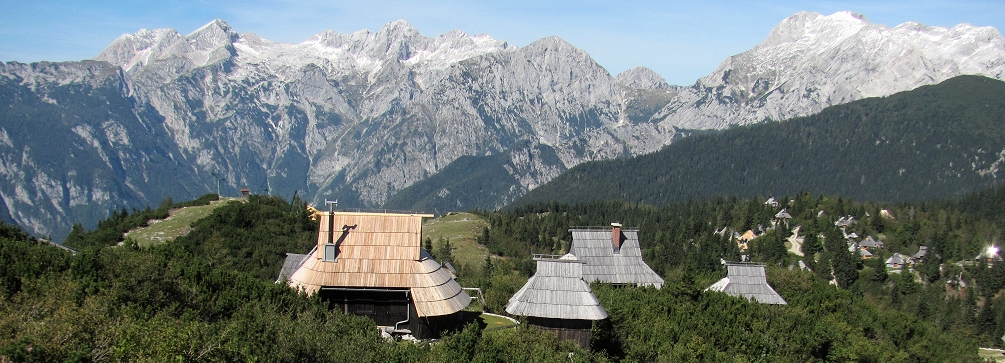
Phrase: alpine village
(868, 230)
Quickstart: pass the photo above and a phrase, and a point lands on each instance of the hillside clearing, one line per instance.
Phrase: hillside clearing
(177, 224)
(462, 230)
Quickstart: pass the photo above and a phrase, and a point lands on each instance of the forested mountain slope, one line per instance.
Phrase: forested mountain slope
(938, 141)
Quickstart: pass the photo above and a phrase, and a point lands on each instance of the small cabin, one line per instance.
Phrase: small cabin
(895, 261)
(558, 299)
(371, 264)
(612, 256)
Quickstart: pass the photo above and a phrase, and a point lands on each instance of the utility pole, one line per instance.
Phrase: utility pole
(219, 181)
(331, 205)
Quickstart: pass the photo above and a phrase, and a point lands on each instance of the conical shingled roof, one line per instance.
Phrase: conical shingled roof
(381, 251)
(557, 290)
(747, 280)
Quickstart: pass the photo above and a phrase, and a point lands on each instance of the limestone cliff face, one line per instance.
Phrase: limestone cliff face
(358, 117)
(810, 61)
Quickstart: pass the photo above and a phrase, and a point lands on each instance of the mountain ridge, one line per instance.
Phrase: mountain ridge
(935, 142)
(359, 117)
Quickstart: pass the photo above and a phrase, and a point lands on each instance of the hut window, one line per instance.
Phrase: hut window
(330, 252)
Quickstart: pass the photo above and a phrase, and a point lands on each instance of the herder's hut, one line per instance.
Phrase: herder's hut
(612, 256)
(747, 280)
(557, 299)
(371, 264)
(896, 261)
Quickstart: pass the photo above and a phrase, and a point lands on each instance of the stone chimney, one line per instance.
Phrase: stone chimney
(616, 236)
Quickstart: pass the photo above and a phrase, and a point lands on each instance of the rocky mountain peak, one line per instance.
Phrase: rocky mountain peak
(213, 35)
(130, 49)
(810, 61)
(808, 27)
(554, 52)
(210, 43)
(641, 78)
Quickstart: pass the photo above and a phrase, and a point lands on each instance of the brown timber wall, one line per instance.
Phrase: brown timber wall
(579, 331)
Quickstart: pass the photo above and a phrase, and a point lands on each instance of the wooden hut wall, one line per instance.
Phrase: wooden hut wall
(387, 308)
(384, 307)
(433, 327)
(579, 331)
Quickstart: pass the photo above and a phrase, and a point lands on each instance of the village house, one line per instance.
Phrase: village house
(783, 217)
(896, 261)
(558, 299)
(771, 202)
(612, 256)
(371, 264)
(744, 241)
(747, 280)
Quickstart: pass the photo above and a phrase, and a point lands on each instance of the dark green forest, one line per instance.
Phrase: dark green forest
(938, 141)
(211, 295)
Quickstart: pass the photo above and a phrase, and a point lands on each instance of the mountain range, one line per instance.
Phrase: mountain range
(359, 117)
(934, 142)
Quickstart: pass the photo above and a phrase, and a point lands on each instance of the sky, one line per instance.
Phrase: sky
(680, 40)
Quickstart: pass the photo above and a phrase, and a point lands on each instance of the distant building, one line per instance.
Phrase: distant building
(371, 264)
(870, 242)
(896, 261)
(245, 192)
(612, 256)
(558, 299)
(990, 255)
(844, 222)
(771, 202)
(743, 242)
(782, 217)
(747, 280)
(864, 253)
(918, 256)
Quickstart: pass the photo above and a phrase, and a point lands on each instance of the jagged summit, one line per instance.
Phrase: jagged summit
(642, 78)
(811, 61)
(210, 43)
(809, 26)
(552, 43)
(360, 51)
(216, 26)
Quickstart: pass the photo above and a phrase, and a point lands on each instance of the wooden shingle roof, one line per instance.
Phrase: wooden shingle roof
(557, 290)
(381, 251)
(595, 247)
(747, 280)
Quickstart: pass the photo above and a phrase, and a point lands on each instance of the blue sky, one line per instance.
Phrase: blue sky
(681, 40)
